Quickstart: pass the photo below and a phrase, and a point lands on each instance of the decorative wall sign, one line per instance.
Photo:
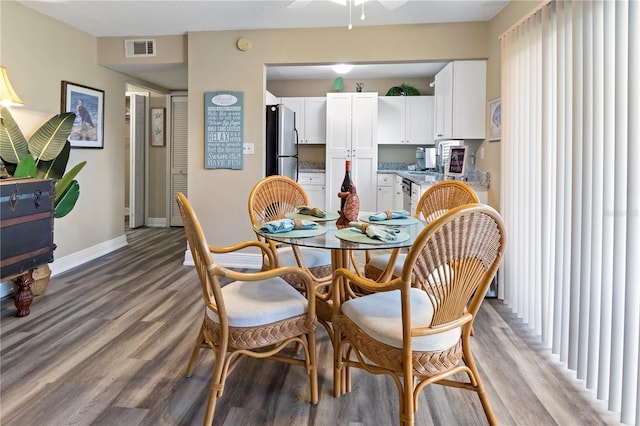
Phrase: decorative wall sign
(157, 126)
(223, 130)
(88, 105)
(455, 165)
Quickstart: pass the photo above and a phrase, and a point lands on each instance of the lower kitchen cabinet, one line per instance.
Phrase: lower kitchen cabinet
(384, 200)
(397, 193)
(314, 185)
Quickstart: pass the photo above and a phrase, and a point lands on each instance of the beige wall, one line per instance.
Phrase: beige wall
(284, 88)
(39, 52)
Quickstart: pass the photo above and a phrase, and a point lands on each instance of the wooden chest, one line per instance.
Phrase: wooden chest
(26, 224)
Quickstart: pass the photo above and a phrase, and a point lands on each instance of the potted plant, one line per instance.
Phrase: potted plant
(44, 155)
(403, 90)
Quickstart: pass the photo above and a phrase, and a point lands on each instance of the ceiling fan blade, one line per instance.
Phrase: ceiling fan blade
(298, 4)
(392, 4)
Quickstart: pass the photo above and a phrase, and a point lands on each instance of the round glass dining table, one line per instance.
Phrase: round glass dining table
(342, 249)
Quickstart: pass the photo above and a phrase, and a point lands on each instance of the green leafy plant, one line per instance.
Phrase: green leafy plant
(44, 155)
(403, 90)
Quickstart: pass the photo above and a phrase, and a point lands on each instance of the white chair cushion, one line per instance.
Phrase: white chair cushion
(254, 303)
(379, 315)
(312, 256)
(380, 261)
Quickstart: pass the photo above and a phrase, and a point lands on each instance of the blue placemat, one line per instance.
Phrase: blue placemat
(355, 236)
(329, 216)
(301, 233)
(404, 221)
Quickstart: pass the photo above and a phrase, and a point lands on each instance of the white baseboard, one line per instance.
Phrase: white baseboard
(231, 260)
(71, 261)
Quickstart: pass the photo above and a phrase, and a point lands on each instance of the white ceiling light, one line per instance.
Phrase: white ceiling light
(342, 68)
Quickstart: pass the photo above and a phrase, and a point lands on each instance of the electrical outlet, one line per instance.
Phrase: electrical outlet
(482, 152)
(247, 148)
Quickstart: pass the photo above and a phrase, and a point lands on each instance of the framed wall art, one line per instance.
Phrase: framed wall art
(495, 119)
(88, 105)
(157, 126)
(455, 164)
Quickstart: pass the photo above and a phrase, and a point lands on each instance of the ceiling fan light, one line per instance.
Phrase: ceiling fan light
(342, 68)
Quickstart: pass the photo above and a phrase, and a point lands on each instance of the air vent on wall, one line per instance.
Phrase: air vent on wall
(139, 48)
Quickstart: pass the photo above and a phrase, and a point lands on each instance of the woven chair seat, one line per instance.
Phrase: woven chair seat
(254, 304)
(379, 315)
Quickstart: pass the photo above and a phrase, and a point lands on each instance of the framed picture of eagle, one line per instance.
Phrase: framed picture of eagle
(88, 105)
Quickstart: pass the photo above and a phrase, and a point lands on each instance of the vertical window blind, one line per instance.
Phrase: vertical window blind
(570, 190)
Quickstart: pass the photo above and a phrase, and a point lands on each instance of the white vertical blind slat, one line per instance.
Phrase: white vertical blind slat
(619, 205)
(597, 171)
(633, 199)
(606, 301)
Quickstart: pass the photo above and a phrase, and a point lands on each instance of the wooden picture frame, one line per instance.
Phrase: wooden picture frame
(88, 105)
(495, 119)
(456, 161)
(158, 122)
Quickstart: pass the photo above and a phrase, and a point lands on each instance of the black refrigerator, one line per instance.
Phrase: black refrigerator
(282, 142)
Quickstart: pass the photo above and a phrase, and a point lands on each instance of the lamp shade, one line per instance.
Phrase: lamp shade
(8, 96)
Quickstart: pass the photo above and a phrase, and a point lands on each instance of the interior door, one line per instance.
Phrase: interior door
(138, 144)
(178, 146)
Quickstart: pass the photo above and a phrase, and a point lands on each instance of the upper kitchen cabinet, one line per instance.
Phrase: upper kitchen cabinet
(460, 100)
(311, 118)
(352, 130)
(406, 120)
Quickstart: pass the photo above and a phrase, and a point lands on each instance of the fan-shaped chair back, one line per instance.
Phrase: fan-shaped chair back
(443, 196)
(273, 197)
(202, 258)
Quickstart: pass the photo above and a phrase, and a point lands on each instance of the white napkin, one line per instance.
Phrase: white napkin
(376, 232)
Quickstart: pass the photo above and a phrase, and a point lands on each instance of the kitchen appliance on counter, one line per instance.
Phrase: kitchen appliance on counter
(281, 142)
(425, 158)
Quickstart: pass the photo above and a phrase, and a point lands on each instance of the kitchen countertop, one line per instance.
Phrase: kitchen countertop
(417, 177)
(421, 178)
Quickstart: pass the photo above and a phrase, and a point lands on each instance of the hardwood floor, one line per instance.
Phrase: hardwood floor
(108, 344)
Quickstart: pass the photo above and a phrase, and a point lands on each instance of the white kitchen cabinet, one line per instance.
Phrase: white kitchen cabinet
(352, 128)
(405, 120)
(397, 192)
(314, 185)
(460, 100)
(311, 118)
(385, 192)
(271, 99)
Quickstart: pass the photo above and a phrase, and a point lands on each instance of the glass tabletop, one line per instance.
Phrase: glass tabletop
(330, 240)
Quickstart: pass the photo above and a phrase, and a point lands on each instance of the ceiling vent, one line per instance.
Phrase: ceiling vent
(139, 48)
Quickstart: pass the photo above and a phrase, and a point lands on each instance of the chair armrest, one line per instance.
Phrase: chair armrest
(343, 290)
(271, 273)
(266, 249)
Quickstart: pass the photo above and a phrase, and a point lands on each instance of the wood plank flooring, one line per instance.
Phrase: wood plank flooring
(109, 342)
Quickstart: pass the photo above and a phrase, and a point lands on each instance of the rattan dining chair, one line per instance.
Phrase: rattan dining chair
(256, 315)
(435, 201)
(271, 199)
(421, 336)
